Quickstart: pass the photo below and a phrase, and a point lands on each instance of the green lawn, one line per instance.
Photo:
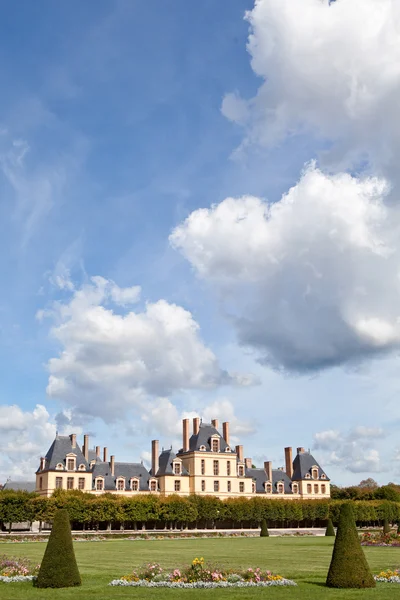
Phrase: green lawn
(305, 560)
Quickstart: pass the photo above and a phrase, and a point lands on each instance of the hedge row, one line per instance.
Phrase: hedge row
(150, 510)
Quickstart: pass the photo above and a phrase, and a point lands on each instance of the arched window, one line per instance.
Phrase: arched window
(202, 448)
(227, 449)
(281, 488)
(295, 488)
(268, 488)
(60, 467)
(120, 484)
(323, 476)
(82, 468)
(314, 472)
(153, 485)
(307, 475)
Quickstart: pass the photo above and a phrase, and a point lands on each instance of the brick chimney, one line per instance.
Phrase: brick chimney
(86, 447)
(289, 462)
(112, 465)
(73, 440)
(154, 457)
(196, 425)
(97, 451)
(105, 455)
(185, 434)
(225, 432)
(300, 450)
(248, 462)
(268, 470)
(239, 452)
(214, 423)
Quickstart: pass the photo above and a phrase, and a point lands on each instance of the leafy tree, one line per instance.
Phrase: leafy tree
(59, 568)
(349, 567)
(368, 483)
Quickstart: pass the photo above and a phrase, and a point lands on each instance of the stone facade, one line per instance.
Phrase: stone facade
(205, 465)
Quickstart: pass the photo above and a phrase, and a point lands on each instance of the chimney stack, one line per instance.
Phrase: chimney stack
(289, 462)
(268, 470)
(239, 452)
(154, 457)
(112, 465)
(248, 463)
(86, 447)
(214, 423)
(300, 450)
(73, 440)
(105, 455)
(225, 432)
(196, 425)
(97, 451)
(185, 430)
(42, 463)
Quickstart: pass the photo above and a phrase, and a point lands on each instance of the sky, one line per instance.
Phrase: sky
(200, 216)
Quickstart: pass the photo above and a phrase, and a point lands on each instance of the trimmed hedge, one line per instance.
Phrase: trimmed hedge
(59, 568)
(349, 567)
(264, 529)
(330, 532)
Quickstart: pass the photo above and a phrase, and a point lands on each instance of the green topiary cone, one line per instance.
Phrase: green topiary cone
(59, 568)
(264, 529)
(386, 526)
(329, 529)
(349, 567)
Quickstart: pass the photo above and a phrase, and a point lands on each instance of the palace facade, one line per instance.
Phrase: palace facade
(206, 464)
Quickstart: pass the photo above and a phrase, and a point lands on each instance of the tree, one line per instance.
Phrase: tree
(264, 529)
(330, 532)
(368, 483)
(349, 567)
(59, 568)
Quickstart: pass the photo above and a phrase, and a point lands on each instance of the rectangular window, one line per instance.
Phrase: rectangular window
(241, 471)
(59, 483)
(216, 486)
(177, 469)
(215, 445)
(177, 485)
(153, 486)
(241, 486)
(203, 485)
(229, 486)
(81, 483)
(309, 488)
(228, 468)
(70, 483)
(323, 489)
(99, 484)
(203, 466)
(121, 485)
(316, 489)
(216, 467)
(135, 485)
(71, 464)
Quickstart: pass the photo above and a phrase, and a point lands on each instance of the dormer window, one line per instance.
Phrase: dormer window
(120, 484)
(307, 476)
(153, 485)
(215, 444)
(227, 449)
(268, 488)
(82, 468)
(71, 464)
(177, 468)
(295, 488)
(323, 476)
(202, 448)
(314, 472)
(134, 485)
(281, 488)
(60, 467)
(99, 482)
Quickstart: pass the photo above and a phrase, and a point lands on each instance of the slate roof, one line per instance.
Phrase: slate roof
(302, 464)
(25, 486)
(126, 470)
(93, 456)
(59, 449)
(166, 464)
(203, 439)
(260, 477)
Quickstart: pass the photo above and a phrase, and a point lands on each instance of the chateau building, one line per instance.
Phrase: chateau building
(206, 465)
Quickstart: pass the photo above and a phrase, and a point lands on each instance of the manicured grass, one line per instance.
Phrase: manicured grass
(306, 560)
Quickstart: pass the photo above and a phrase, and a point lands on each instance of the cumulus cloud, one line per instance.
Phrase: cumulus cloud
(325, 74)
(350, 450)
(112, 361)
(310, 281)
(24, 436)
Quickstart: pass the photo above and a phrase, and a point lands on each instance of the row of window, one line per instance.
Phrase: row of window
(70, 483)
(216, 486)
(216, 469)
(316, 488)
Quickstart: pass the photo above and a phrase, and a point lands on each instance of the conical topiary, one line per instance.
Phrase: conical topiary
(386, 526)
(264, 529)
(59, 568)
(349, 567)
(329, 529)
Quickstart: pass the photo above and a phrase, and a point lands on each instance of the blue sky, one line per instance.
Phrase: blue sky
(117, 123)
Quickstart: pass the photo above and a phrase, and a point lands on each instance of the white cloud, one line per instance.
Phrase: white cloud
(351, 450)
(303, 277)
(330, 69)
(111, 362)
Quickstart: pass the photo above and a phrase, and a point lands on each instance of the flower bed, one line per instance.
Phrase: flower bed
(17, 569)
(388, 576)
(200, 575)
(380, 539)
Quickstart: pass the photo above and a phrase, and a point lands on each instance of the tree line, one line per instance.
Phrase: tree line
(149, 511)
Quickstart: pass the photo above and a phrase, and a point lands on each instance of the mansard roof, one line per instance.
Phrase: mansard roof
(203, 438)
(126, 470)
(260, 477)
(302, 465)
(166, 464)
(20, 486)
(58, 451)
(93, 456)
